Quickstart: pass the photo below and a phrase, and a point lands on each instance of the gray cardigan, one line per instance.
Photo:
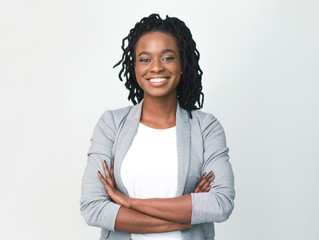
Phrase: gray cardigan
(201, 147)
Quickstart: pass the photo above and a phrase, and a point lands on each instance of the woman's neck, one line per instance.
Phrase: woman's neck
(159, 112)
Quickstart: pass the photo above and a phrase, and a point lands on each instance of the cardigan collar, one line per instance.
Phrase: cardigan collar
(136, 112)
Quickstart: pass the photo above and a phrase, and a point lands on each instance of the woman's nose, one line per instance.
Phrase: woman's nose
(157, 66)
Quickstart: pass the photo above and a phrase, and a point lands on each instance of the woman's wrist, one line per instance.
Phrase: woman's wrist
(132, 203)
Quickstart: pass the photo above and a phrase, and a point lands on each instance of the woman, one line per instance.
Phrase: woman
(158, 169)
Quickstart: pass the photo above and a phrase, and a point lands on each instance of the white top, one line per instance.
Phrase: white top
(150, 170)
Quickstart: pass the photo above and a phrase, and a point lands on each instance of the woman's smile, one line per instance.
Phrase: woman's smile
(157, 80)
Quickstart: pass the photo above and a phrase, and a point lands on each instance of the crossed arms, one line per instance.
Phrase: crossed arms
(152, 215)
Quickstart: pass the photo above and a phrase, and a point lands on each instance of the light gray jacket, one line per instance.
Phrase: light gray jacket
(201, 147)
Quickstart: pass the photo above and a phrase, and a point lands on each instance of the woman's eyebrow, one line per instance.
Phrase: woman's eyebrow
(144, 52)
(168, 50)
(163, 51)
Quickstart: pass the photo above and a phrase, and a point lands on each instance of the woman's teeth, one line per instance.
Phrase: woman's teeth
(157, 79)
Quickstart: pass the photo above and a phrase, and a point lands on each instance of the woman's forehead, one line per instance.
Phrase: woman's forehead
(156, 41)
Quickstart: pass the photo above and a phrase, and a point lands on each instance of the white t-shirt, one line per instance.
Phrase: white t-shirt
(150, 170)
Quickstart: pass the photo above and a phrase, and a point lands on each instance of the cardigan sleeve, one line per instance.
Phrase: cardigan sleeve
(96, 206)
(217, 204)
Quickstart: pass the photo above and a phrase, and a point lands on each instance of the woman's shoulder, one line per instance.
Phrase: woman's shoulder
(206, 121)
(118, 111)
(116, 115)
(202, 116)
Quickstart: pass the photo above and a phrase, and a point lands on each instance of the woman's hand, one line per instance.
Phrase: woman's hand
(204, 184)
(109, 184)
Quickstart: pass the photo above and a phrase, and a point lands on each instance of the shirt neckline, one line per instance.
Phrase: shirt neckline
(157, 129)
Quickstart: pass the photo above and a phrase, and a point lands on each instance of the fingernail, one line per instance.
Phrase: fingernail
(210, 172)
(99, 172)
(204, 173)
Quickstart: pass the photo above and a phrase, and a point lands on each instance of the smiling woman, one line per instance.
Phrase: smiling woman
(159, 169)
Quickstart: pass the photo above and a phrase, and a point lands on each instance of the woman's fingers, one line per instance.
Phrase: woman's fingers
(208, 179)
(207, 184)
(108, 180)
(112, 173)
(103, 180)
(109, 184)
(204, 183)
(201, 181)
(107, 174)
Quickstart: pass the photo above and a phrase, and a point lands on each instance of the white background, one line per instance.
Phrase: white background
(261, 72)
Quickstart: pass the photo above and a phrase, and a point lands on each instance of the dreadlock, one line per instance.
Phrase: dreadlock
(189, 89)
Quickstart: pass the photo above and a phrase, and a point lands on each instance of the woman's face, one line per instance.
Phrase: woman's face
(158, 65)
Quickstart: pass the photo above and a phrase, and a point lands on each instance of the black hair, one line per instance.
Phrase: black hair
(189, 89)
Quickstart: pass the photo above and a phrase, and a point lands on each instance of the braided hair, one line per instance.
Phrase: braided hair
(189, 89)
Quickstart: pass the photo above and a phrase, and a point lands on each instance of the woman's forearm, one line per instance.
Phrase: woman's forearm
(177, 209)
(132, 221)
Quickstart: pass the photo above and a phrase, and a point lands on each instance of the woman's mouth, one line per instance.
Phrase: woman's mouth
(156, 80)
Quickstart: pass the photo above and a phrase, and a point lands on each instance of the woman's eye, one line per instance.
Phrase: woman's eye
(168, 58)
(144, 60)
